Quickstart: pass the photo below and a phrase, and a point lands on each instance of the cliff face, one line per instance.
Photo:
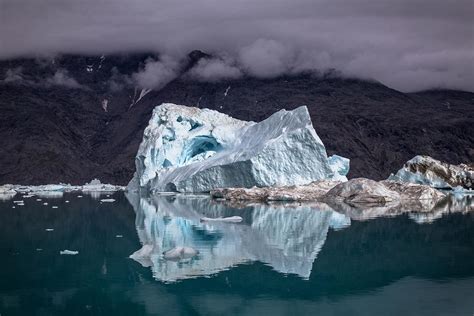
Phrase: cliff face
(62, 132)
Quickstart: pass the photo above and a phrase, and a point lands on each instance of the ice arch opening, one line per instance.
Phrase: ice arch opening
(199, 148)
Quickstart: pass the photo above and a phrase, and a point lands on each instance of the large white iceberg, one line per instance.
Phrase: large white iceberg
(188, 149)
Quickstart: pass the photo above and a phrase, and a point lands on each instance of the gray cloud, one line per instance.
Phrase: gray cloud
(13, 75)
(406, 44)
(215, 69)
(157, 73)
(62, 78)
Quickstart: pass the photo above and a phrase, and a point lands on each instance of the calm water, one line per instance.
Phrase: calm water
(281, 260)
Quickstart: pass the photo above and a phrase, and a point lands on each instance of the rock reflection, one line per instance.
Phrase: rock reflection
(422, 212)
(286, 238)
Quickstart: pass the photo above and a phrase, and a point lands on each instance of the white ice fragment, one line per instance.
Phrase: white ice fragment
(143, 255)
(230, 219)
(107, 200)
(19, 202)
(180, 253)
(54, 206)
(45, 203)
(49, 229)
(66, 201)
(339, 166)
(69, 252)
(39, 200)
(118, 236)
(79, 196)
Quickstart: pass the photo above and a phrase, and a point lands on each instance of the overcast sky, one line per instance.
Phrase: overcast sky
(406, 44)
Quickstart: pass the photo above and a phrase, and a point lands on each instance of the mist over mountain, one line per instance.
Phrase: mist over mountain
(407, 45)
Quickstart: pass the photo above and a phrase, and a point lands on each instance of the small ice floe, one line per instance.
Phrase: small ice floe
(45, 203)
(19, 202)
(39, 249)
(13, 206)
(66, 201)
(118, 236)
(108, 200)
(231, 219)
(39, 200)
(49, 229)
(28, 195)
(179, 253)
(54, 206)
(143, 255)
(79, 196)
(68, 252)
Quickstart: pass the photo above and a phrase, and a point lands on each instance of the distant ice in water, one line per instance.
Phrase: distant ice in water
(69, 252)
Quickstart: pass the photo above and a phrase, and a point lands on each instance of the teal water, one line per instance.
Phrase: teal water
(281, 260)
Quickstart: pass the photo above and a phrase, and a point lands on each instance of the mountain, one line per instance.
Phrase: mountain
(74, 118)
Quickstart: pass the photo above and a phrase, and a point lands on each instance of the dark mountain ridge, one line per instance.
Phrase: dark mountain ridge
(60, 131)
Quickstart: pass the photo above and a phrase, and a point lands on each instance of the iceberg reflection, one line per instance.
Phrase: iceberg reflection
(286, 238)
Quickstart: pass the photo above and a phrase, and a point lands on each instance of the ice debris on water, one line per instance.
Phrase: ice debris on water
(69, 252)
(107, 200)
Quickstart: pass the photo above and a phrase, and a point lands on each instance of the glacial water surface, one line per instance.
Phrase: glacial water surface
(282, 259)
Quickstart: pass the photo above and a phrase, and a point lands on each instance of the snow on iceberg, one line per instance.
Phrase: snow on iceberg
(189, 149)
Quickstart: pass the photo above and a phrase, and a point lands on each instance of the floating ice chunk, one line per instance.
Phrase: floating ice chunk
(54, 206)
(432, 172)
(45, 203)
(79, 196)
(339, 166)
(19, 202)
(143, 255)
(108, 200)
(188, 149)
(49, 229)
(180, 253)
(7, 189)
(7, 196)
(96, 186)
(69, 252)
(118, 236)
(39, 200)
(230, 219)
(66, 201)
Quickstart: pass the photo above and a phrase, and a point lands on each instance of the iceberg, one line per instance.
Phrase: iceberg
(188, 149)
(432, 172)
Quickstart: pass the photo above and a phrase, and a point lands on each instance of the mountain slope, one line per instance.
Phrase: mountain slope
(52, 133)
